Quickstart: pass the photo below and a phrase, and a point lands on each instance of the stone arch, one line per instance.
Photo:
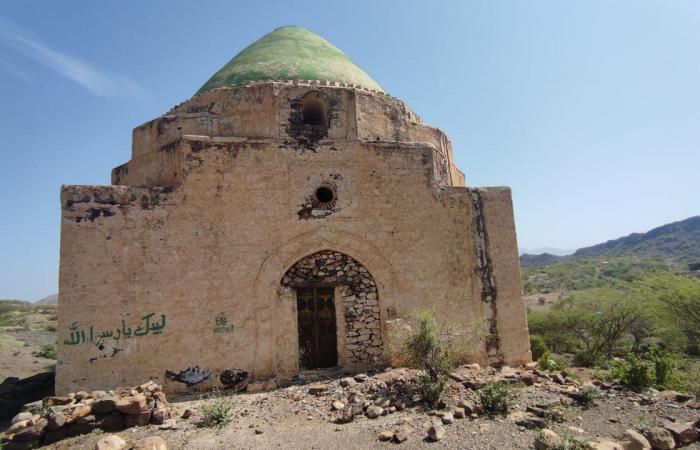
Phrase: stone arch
(359, 298)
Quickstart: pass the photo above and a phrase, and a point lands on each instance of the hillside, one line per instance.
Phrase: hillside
(678, 241)
(48, 300)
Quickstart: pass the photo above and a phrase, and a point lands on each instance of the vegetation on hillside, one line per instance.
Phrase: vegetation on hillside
(638, 318)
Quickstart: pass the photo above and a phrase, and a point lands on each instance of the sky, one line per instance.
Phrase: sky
(589, 110)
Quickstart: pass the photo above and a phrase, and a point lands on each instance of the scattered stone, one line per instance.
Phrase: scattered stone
(528, 378)
(539, 412)
(547, 440)
(21, 417)
(660, 438)
(459, 413)
(317, 389)
(531, 422)
(558, 378)
(436, 432)
(635, 441)
(448, 418)
(469, 407)
(338, 405)
(683, 432)
(169, 424)
(386, 436)
(374, 411)
(400, 435)
(604, 445)
(361, 377)
(259, 431)
(348, 382)
(348, 414)
(187, 414)
(110, 442)
(104, 405)
(150, 443)
(134, 404)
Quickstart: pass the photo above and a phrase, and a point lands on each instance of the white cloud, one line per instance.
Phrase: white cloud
(96, 81)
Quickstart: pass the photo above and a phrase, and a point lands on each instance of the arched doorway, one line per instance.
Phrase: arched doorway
(337, 310)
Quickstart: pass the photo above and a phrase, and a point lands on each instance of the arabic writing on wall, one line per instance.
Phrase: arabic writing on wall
(147, 326)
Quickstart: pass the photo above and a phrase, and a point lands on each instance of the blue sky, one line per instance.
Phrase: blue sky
(589, 110)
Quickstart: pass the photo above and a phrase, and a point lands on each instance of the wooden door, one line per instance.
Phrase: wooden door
(317, 327)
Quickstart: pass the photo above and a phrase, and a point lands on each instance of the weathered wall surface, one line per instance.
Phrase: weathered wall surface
(189, 275)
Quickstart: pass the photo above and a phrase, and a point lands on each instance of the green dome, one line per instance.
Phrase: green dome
(290, 53)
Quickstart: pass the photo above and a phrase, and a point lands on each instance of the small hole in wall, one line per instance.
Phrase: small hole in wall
(324, 194)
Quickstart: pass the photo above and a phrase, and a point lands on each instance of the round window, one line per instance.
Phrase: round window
(324, 194)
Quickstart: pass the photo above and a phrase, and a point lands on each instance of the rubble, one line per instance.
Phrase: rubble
(82, 412)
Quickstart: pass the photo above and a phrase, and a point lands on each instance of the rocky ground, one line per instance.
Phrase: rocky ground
(338, 411)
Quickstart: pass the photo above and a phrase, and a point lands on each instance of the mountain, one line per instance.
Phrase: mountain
(550, 250)
(50, 300)
(679, 241)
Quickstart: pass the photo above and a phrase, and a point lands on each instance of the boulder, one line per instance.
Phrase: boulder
(20, 417)
(317, 389)
(386, 436)
(348, 414)
(361, 377)
(436, 432)
(660, 438)
(338, 405)
(448, 418)
(634, 441)
(160, 414)
(133, 404)
(77, 413)
(347, 382)
(531, 422)
(603, 445)
(104, 405)
(137, 420)
(547, 440)
(110, 442)
(684, 433)
(374, 411)
(150, 443)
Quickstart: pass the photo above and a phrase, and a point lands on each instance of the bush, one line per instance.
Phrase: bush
(588, 396)
(569, 442)
(427, 351)
(47, 351)
(537, 346)
(496, 398)
(546, 361)
(633, 371)
(664, 368)
(217, 412)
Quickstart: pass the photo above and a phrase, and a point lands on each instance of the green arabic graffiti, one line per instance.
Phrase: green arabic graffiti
(222, 325)
(147, 326)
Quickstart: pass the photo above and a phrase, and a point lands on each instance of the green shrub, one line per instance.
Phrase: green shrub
(47, 351)
(428, 352)
(633, 371)
(217, 412)
(537, 346)
(546, 361)
(496, 398)
(583, 358)
(664, 368)
(569, 442)
(588, 396)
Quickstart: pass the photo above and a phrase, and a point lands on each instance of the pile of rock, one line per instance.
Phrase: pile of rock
(657, 438)
(55, 418)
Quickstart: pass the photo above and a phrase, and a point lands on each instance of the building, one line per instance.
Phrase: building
(289, 215)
